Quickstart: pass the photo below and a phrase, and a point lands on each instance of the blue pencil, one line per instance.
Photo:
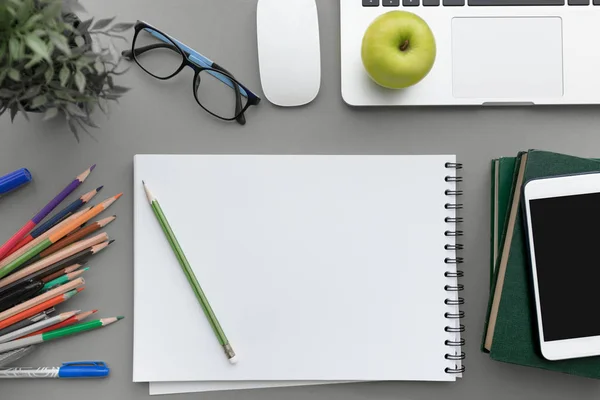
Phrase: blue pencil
(60, 216)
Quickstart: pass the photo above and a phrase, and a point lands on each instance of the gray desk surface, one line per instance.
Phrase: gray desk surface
(162, 117)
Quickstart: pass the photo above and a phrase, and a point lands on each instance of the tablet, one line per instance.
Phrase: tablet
(563, 227)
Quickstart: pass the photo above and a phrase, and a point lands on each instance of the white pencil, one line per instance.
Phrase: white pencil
(37, 326)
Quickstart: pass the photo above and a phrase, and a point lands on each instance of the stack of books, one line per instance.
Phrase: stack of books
(510, 330)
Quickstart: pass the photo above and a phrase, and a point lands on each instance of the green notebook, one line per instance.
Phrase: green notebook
(503, 176)
(514, 339)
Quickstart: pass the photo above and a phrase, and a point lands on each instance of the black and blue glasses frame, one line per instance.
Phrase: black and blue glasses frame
(199, 63)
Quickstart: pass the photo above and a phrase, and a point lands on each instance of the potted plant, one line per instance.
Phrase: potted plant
(51, 62)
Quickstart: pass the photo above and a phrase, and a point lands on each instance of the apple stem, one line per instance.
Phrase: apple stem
(404, 45)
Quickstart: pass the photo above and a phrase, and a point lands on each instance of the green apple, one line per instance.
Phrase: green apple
(398, 49)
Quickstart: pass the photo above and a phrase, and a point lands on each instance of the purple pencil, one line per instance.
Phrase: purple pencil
(21, 233)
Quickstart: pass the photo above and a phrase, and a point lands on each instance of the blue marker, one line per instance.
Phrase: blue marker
(69, 370)
(14, 180)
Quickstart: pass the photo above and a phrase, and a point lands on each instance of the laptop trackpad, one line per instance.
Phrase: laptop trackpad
(507, 58)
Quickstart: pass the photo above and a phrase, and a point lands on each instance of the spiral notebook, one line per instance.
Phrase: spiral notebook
(319, 268)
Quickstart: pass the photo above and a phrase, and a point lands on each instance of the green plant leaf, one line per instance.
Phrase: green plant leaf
(73, 128)
(38, 46)
(39, 101)
(14, 109)
(22, 109)
(103, 23)
(84, 26)
(52, 10)
(121, 27)
(13, 48)
(31, 92)
(14, 74)
(64, 75)
(50, 113)
(3, 73)
(34, 61)
(80, 81)
(40, 32)
(76, 110)
(34, 19)
(7, 93)
(60, 42)
(119, 89)
(79, 41)
(49, 74)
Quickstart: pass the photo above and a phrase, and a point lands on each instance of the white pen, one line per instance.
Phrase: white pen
(77, 369)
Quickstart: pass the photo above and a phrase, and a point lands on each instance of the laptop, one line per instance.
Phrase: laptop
(489, 52)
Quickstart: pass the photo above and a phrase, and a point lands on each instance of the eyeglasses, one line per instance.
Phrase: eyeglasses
(215, 89)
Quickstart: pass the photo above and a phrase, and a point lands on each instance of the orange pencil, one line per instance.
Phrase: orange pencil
(39, 308)
(70, 321)
(19, 308)
(59, 234)
(75, 236)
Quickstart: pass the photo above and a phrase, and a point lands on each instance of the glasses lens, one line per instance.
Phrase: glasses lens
(217, 93)
(156, 53)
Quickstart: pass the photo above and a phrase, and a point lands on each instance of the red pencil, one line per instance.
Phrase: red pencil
(70, 321)
(21, 233)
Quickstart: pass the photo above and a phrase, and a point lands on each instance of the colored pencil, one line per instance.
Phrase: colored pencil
(63, 279)
(20, 234)
(58, 217)
(55, 258)
(191, 277)
(71, 321)
(59, 333)
(75, 258)
(43, 274)
(24, 292)
(67, 270)
(26, 322)
(42, 298)
(40, 307)
(59, 234)
(75, 236)
(39, 240)
(38, 326)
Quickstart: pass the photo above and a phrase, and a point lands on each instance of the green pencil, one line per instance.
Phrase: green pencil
(191, 277)
(58, 333)
(63, 279)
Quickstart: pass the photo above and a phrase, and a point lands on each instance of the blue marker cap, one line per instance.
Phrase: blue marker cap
(83, 369)
(14, 180)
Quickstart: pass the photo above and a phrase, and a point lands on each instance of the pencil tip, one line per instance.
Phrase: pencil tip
(118, 196)
(120, 318)
(86, 269)
(111, 242)
(99, 188)
(80, 289)
(94, 311)
(143, 183)
(92, 167)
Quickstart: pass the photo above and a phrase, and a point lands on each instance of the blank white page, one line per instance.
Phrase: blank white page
(317, 267)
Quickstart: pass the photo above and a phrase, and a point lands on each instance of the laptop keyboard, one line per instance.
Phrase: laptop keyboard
(476, 3)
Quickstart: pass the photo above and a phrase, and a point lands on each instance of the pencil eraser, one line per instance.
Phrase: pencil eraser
(233, 360)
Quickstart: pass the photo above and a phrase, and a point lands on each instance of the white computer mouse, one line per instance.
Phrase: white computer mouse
(289, 51)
